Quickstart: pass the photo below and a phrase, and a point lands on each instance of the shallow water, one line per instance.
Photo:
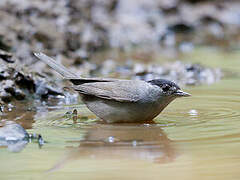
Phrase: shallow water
(194, 138)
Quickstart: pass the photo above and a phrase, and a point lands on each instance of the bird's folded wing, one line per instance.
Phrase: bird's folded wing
(82, 80)
(122, 91)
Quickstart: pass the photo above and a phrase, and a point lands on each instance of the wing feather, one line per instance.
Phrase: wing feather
(122, 91)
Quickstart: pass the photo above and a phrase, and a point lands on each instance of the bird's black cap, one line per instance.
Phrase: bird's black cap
(163, 82)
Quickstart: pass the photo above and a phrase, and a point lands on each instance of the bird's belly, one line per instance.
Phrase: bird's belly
(113, 111)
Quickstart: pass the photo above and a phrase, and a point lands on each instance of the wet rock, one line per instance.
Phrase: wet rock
(3, 44)
(8, 57)
(5, 97)
(13, 136)
(181, 28)
(4, 74)
(8, 86)
(24, 81)
(44, 90)
(11, 131)
(19, 94)
(72, 41)
(19, 84)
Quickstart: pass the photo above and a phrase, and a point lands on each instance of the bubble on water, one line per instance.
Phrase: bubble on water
(111, 139)
(134, 143)
(193, 112)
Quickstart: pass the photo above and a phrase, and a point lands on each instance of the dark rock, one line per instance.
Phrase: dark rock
(181, 28)
(8, 57)
(54, 91)
(72, 41)
(20, 84)
(5, 72)
(3, 44)
(5, 97)
(24, 81)
(4, 75)
(9, 86)
(19, 94)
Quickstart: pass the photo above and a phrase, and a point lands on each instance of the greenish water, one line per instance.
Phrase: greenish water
(194, 138)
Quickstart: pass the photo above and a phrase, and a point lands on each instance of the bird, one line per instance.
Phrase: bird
(120, 100)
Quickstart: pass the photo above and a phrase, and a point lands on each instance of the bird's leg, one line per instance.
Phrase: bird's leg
(74, 116)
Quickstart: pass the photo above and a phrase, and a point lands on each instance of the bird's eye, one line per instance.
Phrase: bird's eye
(165, 88)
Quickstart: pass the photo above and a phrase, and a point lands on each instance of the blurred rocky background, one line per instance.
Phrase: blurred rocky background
(82, 34)
(78, 28)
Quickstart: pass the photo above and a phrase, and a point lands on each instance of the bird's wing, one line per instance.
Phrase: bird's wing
(122, 91)
(82, 80)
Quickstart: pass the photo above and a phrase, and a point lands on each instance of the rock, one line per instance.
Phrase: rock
(5, 97)
(24, 81)
(8, 57)
(19, 84)
(19, 94)
(181, 28)
(44, 90)
(3, 44)
(13, 136)
(9, 86)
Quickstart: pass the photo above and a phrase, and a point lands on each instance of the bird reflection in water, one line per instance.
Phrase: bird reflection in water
(122, 141)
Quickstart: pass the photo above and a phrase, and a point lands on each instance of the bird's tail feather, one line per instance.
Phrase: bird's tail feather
(56, 66)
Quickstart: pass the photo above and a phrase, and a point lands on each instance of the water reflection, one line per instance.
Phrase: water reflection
(121, 141)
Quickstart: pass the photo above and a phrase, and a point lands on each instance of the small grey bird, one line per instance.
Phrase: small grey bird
(116, 100)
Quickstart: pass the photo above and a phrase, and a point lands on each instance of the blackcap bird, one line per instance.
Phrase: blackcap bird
(116, 100)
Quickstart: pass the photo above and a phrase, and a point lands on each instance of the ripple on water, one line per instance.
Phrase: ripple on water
(205, 116)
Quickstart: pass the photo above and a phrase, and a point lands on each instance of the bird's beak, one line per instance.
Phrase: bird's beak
(180, 93)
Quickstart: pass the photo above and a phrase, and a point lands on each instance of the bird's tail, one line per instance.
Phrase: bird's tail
(56, 66)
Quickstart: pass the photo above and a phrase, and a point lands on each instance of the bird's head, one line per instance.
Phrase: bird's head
(169, 88)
